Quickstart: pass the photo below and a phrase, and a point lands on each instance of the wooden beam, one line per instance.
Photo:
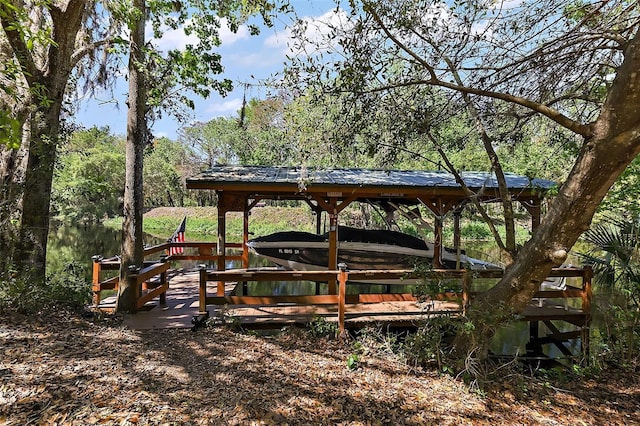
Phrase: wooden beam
(341, 299)
(326, 299)
(245, 238)
(220, 248)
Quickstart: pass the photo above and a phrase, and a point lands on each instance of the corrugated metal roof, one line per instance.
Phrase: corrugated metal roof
(359, 177)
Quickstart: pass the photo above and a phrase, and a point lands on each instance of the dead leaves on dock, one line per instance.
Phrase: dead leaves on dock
(59, 371)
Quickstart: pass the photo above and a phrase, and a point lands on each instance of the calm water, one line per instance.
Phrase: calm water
(78, 244)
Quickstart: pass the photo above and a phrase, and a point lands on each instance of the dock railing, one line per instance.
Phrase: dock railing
(455, 301)
(151, 280)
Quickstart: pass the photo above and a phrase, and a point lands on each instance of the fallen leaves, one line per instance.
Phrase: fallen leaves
(64, 371)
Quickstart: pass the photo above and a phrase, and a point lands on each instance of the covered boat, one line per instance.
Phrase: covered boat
(360, 249)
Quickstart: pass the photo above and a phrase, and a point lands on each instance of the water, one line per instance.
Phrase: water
(78, 244)
(68, 243)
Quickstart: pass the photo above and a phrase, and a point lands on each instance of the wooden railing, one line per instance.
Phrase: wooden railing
(152, 279)
(345, 277)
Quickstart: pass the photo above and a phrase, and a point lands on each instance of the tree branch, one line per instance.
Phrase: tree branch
(85, 50)
(563, 120)
(11, 25)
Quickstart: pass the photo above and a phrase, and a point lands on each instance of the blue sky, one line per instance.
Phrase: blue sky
(246, 59)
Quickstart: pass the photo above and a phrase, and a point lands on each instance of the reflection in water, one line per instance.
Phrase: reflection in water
(68, 243)
(78, 243)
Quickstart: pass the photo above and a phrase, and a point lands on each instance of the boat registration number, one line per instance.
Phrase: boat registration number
(289, 251)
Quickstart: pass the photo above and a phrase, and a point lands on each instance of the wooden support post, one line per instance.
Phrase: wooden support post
(587, 291)
(467, 281)
(585, 338)
(437, 243)
(221, 249)
(333, 248)
(202, 295)
(245, 239)
(342, 278)
(318, 211)
(95, 287)
(456, 235)
(534, 348)
(534, 210)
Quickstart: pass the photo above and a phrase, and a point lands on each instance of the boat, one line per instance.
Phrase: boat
(359, 249)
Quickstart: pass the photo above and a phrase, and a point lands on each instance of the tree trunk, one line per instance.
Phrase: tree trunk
(614, 142)
(12, 169)
(28, 172)
(31, 249)
(132, 243)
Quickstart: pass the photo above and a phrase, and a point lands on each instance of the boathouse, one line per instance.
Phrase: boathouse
(328, 192)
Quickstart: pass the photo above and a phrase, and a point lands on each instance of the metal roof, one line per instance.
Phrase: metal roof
(222, 177)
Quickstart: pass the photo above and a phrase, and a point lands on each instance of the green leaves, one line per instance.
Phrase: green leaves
(89, 178)
(9, 131)
(196, 66)
(615, 256)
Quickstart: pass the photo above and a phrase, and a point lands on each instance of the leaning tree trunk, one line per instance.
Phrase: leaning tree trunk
(614, 142)
(132, 244)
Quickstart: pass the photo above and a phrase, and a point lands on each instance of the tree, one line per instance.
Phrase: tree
(48, 43)
(193, 69)
(574, 64)
(88, 183)
(43, 67)
(217, 141)
(132, 248)
(167, 164)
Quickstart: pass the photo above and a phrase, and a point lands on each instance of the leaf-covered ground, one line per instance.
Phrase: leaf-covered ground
(66, 370)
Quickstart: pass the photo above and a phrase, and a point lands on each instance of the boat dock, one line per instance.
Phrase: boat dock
(213, 290)
(223, 296)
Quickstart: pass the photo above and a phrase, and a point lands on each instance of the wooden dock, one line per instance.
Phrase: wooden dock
(174, 298)
(182, 304)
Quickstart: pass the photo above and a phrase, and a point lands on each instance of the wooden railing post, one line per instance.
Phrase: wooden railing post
(587, 278)
(587, 292)
(135, 285)
(202, 297)
(342, 279)
(163, 281)
(95, 287)
(467, 280)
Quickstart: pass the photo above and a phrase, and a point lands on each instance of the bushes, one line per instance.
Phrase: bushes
(64, 288)
(476, 231)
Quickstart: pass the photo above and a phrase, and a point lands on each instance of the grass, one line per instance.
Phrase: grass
(202, 223)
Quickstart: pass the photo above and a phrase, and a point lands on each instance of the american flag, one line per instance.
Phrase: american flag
(178, 237)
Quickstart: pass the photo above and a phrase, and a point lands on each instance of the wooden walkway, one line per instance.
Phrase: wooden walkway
(182, 304)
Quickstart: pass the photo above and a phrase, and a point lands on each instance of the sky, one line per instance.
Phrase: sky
(246, 59)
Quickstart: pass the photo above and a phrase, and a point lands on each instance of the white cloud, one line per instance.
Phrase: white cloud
(177, 39)
(254, 60)
(228, 107)
(174, 39)
(228, 37)
(318, 34)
